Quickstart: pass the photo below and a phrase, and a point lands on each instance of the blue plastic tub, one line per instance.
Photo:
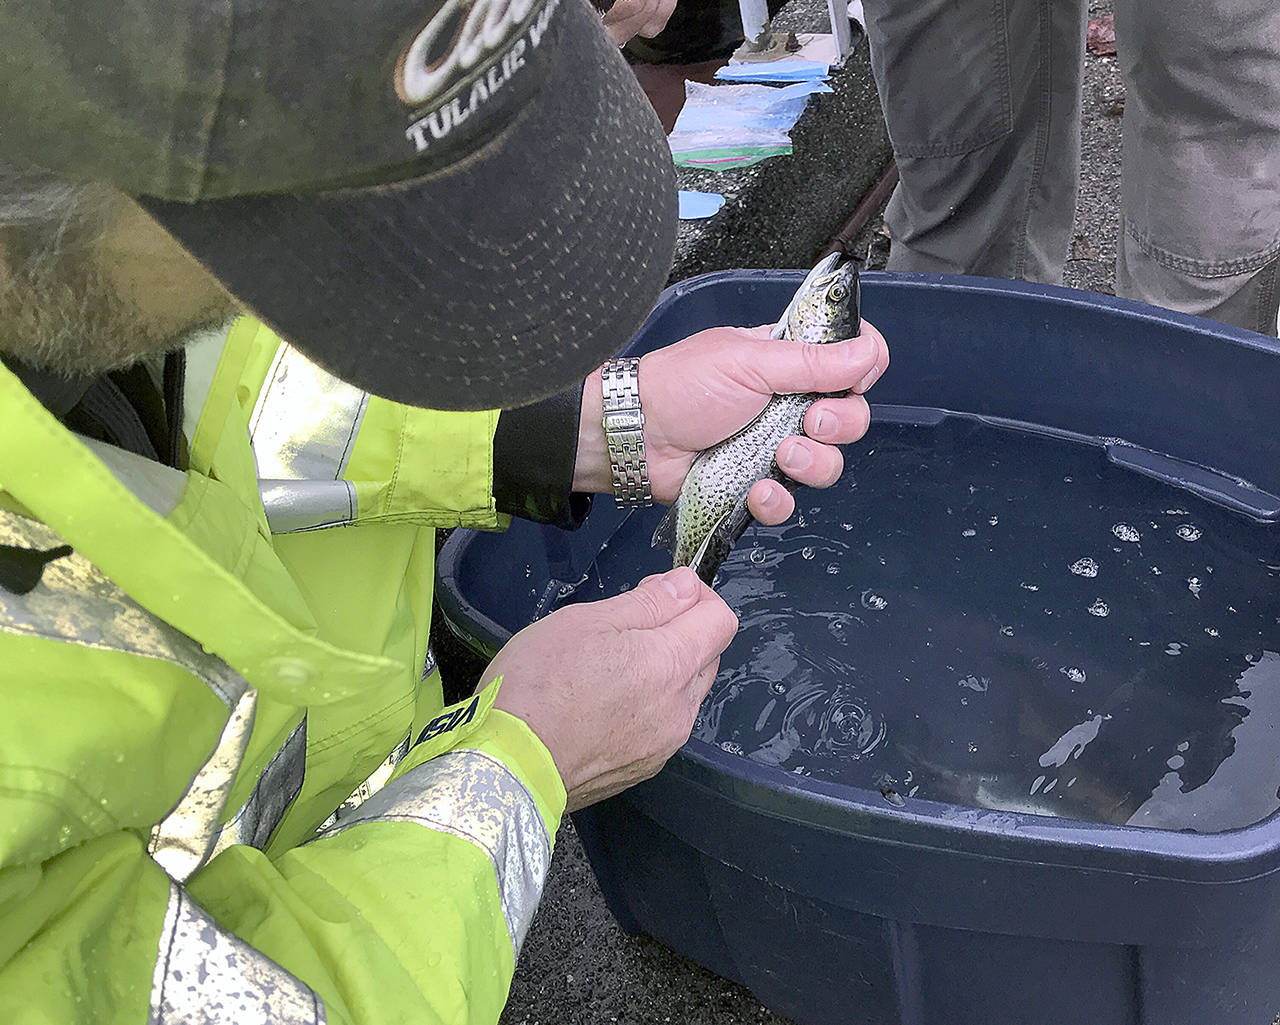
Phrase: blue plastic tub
(834, 905)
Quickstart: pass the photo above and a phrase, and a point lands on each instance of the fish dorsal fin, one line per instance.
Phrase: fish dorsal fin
(665, 535)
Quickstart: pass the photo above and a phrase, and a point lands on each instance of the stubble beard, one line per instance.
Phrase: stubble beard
(65, 316)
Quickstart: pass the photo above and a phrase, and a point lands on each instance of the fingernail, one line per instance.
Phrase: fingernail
(680, 583)
(869, 380)
(798, 457)
(825, 423)
(770, 500)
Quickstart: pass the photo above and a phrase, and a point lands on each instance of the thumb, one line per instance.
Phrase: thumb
(655, 601)
(701, 634)
(785, 367)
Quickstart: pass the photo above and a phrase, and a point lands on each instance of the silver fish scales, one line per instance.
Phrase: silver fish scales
(710, 513)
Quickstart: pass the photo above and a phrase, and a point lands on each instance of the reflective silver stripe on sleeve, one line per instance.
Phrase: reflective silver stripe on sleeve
(184, 839)
(277, 786)
(473, 796)
(203, 353)
(205, 975)
(159, 486)
(297, 505)
(305, 423)
(75, 602)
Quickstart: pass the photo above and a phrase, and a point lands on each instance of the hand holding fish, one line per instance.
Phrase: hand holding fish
(732, 413)
(706, 388)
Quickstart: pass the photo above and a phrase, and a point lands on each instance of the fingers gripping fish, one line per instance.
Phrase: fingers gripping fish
(710, 513)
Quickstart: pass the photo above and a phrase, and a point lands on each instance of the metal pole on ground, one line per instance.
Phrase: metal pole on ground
(839, 11)
(755, 16)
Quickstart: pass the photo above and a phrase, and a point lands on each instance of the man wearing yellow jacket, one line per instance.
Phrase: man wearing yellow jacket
(216, 549)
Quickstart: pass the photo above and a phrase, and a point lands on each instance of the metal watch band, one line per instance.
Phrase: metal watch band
(624, 433)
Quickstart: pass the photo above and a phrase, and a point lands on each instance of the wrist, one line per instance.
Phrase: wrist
(591, 469)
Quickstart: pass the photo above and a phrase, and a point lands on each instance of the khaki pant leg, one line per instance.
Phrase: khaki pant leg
(1200, 229)
(982, 101)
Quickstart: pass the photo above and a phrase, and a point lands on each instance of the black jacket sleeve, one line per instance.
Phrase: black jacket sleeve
(534, 450)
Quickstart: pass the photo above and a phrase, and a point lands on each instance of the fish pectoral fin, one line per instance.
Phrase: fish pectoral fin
(665, 535)
(699, 557)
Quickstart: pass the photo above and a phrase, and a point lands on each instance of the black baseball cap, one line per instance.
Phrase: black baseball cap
(459, 204)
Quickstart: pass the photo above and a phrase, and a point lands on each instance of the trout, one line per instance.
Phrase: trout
(710, 513)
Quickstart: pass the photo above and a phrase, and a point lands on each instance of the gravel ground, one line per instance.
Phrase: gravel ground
(1092, 262)
(577, 965)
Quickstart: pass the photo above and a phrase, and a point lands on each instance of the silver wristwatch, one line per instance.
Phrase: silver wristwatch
(624, 433)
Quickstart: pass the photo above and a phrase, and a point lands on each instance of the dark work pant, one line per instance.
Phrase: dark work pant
(982, 99)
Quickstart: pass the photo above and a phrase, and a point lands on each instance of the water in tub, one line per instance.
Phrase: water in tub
(998, 619)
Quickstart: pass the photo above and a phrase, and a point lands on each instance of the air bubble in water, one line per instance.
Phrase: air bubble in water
(1073, 673)
(846, 526)
(1084, 568)
(731, 747)
(778, 687)
(1194, 585)
(832, 568)
(1188, 532)
(873, 601)
(849, 730)
(1211, 631)
(1029, 587)
(1174, 648)
(969, 533)
(980, 684)
(1099, 608)
(1126, 533)
(973, 748)
(757, 555)
(806, 552)
(994, 520)
(1006, 631)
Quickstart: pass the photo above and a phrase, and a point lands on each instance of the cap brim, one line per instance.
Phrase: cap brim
(500, 281)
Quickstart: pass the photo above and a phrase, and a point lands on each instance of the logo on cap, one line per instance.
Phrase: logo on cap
(467, 52)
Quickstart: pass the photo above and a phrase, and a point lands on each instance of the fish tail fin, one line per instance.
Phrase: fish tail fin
(665, 535)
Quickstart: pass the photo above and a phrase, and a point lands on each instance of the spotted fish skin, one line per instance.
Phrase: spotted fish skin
(710, 513)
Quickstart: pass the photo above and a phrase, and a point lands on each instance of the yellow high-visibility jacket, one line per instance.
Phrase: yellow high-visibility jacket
(220, 659)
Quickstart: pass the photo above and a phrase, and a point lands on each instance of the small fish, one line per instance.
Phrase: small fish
(710, 513)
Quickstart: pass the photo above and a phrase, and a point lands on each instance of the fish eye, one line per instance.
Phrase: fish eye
(837, 292)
